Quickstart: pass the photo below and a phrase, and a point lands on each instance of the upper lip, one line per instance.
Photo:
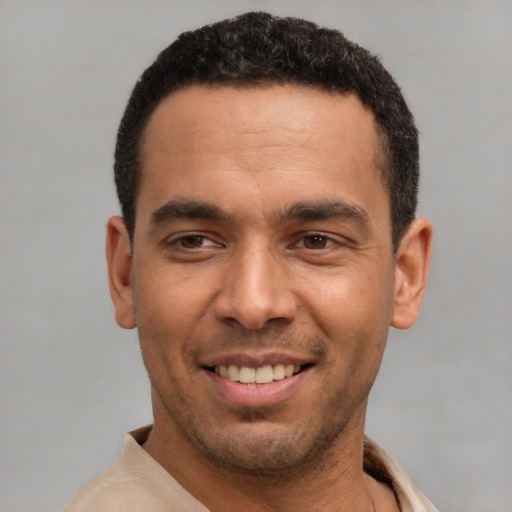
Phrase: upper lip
(254, 359)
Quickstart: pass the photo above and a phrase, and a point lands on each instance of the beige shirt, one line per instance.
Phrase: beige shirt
(137, 483)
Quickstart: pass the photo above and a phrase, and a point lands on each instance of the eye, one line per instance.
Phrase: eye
(316, 241)
(193, 241)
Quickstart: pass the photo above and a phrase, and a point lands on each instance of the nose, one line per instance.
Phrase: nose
(256, 291)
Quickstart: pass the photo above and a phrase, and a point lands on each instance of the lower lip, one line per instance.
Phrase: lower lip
(256, 395)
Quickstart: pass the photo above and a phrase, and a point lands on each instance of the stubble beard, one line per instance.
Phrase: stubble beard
(256, 444)
(282, 455)
(256, 447)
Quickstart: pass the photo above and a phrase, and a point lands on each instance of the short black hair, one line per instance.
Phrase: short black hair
(259, 48)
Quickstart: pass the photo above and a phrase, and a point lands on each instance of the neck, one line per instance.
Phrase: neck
(333, 482)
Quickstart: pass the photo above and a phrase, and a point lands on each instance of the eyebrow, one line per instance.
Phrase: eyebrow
(187, 209)
(322, 210)
(298, 211)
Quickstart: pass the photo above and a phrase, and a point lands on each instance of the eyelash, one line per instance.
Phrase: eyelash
(179, 241)
(326, 241)
(329, 241)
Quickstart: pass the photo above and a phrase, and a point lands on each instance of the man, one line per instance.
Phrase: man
(267, 172)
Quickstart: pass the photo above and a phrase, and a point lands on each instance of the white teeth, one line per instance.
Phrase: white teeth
(279, 372)
(262, 375)
(247, 375)
(288, 370)
(233, 373)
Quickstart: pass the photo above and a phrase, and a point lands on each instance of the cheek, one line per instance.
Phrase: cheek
(354, 312)
(167, 301)
(352, 296)
(164, 324)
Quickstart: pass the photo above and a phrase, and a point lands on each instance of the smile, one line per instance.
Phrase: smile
(256, 381)
(261, 375)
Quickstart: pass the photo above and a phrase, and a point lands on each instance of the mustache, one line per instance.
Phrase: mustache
(270, 338)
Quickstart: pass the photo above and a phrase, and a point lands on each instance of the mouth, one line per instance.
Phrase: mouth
(256, 380)
(260, 375)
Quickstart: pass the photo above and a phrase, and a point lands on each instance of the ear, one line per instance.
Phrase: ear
(119, 261)
(411, 273)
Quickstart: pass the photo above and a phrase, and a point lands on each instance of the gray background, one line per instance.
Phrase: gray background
(71, 380)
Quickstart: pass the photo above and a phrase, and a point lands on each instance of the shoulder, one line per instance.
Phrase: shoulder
(110, 491)
(123, 486)
(135, 483)
(381, 466)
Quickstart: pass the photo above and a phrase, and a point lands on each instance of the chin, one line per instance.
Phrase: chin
(264, 451)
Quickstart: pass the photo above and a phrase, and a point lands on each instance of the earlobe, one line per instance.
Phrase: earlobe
(411, 273)
(119, 262)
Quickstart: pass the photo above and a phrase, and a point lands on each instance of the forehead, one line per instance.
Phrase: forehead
(202, 141)
(291, 110)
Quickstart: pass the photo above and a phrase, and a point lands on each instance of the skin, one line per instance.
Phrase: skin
(263, 236)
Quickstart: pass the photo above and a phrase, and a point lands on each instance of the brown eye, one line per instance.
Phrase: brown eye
(315, 242)
(192, 241)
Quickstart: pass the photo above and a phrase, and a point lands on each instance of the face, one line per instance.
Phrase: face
(263, 278)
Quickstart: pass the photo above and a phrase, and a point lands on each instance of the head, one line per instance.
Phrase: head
(259, 256)
(260, 49)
